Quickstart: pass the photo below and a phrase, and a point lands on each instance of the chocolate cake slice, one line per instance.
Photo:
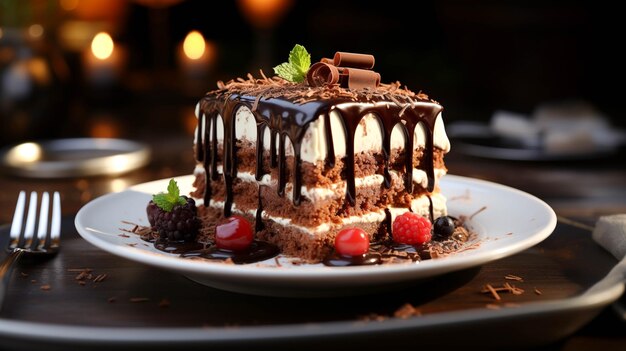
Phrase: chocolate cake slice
(303, 160)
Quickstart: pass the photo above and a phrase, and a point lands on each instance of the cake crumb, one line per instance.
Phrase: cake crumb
(407, 310)
(100, 278)
(33, 281)
(538, 292)
(164, 303)
(45, 287)
(491, 306)
(373, 317)
(111, 299)
(23, 274)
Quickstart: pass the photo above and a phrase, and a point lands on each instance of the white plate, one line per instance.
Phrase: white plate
(511, 221)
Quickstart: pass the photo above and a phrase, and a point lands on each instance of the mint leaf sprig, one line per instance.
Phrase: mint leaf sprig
(296, 68)
(167, 201)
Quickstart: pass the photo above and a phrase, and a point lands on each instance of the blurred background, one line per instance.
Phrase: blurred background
(134, 69)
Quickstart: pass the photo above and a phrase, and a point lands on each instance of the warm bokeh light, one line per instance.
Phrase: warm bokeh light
(264, 13)
(194, 45)
(35, 30)
(102, 46)
(27, 152)
(104, 127)
(158, 4)
(118, 185)
(68, 5)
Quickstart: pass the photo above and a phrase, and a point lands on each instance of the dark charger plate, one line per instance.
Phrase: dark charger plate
(137, 306)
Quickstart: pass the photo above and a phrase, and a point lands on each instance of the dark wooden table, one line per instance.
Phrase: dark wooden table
(136, 296)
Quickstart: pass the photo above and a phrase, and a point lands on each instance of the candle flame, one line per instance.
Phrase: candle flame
(194, 45)
(102, 46)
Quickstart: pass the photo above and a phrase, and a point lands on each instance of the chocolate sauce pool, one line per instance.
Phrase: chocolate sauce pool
(261, 251)
(257, 251)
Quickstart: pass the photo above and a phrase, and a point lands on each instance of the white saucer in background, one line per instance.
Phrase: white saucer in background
(74, 157)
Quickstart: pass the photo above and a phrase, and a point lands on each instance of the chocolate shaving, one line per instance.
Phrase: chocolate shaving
(349, 70)
(494, 293)
(513, 277)
(349, 59)
(322, 73)
(303, 93)
(362, 79)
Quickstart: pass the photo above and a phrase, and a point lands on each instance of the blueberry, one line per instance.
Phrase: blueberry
(443, 227)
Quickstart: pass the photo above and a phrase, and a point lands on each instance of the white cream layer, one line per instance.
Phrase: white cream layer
(368, 135)
(336, 189)
(420, 206)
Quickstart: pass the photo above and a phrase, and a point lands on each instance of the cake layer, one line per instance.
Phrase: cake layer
(319, 174)
(311, 243)
(323, 204)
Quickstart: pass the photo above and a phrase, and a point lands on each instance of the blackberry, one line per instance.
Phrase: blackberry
(174, 217)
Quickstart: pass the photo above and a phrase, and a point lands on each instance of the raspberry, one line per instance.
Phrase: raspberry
(352, 242)
(234, 233)
(179, 224)
(411, 228)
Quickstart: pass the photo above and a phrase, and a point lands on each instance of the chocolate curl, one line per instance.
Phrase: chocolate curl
(327, 60)
(349, 59)
(360, 78)
(322, 73)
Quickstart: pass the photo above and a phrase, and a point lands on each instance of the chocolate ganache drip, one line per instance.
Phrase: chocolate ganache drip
(286, 110)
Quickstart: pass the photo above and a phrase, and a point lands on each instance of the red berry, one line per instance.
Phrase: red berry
(234, 233)
(352, 242)
(411, 228)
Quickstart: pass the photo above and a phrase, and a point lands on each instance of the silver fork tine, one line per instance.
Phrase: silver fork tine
(42, 227)
(31, 218)
(18, 217)
(55, 227)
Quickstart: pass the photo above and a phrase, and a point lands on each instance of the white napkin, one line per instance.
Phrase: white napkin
(610, 233)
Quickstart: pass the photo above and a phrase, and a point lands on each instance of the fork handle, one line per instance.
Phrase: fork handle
(5, 270)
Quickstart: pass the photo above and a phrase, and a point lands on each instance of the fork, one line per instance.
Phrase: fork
(23, 242)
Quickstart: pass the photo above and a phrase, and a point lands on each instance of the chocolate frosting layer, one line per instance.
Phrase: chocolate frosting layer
(287, 109)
